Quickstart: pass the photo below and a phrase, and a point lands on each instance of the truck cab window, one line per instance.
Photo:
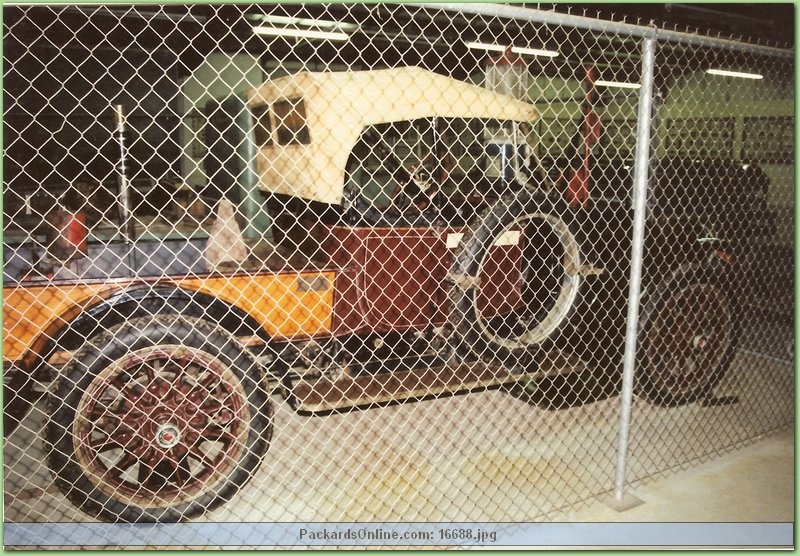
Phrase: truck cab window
(290, 122)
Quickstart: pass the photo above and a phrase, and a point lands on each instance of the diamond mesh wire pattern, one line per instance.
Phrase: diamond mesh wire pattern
(378, 272)
(718, 316)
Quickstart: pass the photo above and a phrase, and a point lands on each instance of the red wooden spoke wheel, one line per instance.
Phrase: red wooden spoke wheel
(162, 418)
(161, 426)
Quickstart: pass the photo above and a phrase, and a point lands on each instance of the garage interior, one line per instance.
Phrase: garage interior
(544, 449)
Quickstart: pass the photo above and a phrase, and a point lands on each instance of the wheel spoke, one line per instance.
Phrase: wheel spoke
(97, 411)
(180, 473)
(210, 409)
(106, 443)
(159, 425)
(112, 421)
(704, 303)
(145, 474)
(217, 433)
(103, 444)
(150, 369)
(119, 469)
(210, 382)
(688, 338)
(196, 453)
(181, 368)
(121, 381)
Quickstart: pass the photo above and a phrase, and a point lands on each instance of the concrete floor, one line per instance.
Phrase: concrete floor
(754, 484)
(751, 484)
(492, 457)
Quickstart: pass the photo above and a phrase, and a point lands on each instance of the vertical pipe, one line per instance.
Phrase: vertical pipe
(125, 221)
(642, 163)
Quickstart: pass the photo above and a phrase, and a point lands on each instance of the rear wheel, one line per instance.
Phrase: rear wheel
(159, 419)
(689, 337)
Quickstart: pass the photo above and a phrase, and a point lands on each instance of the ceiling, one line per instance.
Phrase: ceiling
(73, 60)
(390, 34)
(771, 23)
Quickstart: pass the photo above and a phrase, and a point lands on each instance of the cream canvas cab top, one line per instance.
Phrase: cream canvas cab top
(307, 124)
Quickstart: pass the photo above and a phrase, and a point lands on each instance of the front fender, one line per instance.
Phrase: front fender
(168, 298)
(80, 314)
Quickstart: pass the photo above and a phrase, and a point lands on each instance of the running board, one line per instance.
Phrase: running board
(325, 395)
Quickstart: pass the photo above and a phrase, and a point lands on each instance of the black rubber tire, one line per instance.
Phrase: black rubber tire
(178, 400)
(689, 333)
(517, 338)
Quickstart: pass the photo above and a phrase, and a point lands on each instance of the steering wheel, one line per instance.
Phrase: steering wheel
(425, 179)
(421, 176)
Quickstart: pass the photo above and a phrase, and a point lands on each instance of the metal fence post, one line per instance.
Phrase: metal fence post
(642, 163)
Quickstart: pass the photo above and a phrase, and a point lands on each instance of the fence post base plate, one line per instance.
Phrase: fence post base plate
(628, 501)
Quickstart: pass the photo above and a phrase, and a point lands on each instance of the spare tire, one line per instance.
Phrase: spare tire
(516, 282)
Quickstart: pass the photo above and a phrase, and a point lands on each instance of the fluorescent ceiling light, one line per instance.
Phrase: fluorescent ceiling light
(304, 22)
(618, 84)
(301, 33)
(486, 46)
(727, 73)
(514, 49)
(534, 51)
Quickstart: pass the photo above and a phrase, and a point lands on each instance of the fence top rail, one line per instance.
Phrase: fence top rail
(599, 25)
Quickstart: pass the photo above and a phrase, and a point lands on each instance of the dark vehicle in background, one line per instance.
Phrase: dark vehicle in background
(705, 222)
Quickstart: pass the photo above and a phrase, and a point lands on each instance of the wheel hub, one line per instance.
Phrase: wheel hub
(700, 341)
(168, 436)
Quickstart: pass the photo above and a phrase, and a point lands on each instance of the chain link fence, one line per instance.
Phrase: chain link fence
(372, 263)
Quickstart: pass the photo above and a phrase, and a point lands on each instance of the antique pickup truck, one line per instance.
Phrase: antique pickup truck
(413, 247)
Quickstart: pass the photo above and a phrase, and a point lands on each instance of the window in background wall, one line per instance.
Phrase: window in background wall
(700, 137)
(195, 121)
(768, 139)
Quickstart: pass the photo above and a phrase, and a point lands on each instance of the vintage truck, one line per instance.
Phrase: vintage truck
(413, 247)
